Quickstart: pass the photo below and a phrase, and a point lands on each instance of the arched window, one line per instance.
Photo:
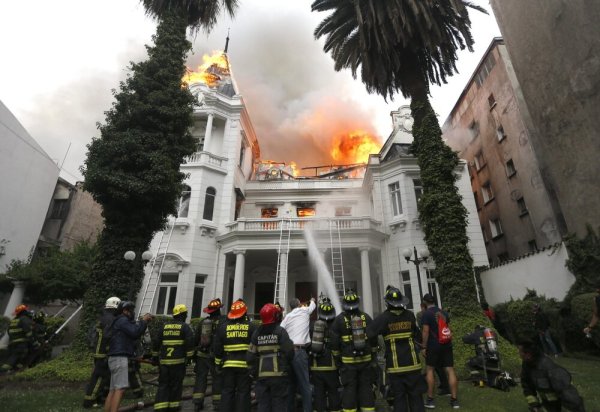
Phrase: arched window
(184, 201)
(209, 203)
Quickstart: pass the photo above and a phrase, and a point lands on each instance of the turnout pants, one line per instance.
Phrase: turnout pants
(204, 365)
(97, 387)
(17, 355)
(135, 378)
(271, 394)
(407, 390)
(170, 387)
(357, 380)
(327, 397)
(235, 396)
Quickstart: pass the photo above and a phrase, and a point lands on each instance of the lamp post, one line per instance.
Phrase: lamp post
(407, 253)
(130, 257)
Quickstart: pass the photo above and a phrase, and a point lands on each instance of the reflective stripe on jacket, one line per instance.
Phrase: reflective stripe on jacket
(271, 351)
(19, 330)
(175, 343)
(232, 341)
(342, 341)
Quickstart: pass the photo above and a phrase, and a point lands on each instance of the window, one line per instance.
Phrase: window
(510, 168)
(485, 235)
(184, 202)
(242, 151)
(522, 207)
(269, 212)
(305, 212)
(486, 191)
(406, 287)
(418, 189)
(396, 200)
(491, 101)
(474, 128)
(479, 160)
(167, 293)
(496, 228)
(343, 211)
(59, 209)
(532, 245)
(476, 201)
(485, 69)
(209, 203)
(500, 134)
(432, 286)
(198, 295)
(200, 144)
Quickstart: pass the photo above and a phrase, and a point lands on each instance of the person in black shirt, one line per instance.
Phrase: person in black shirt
(542, 326)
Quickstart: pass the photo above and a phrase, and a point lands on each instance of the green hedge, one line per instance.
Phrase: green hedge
(577, 318)
(70, 366)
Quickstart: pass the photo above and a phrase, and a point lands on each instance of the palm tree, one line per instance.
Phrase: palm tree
(198, 14)
(403, 46)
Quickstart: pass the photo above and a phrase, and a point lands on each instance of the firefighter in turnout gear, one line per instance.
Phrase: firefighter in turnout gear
(357, 355)
(205, 358)
(323, 370)
(39, 350)
(97, 387)
(175, 345)
(269, 358)
(398, 327)
(20, 337)
(232, 342)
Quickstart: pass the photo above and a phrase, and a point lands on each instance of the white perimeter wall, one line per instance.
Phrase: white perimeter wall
(544, 271)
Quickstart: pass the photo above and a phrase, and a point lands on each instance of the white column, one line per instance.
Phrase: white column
(16, 298)
(238, 280)
(208, 132)
(367, 294)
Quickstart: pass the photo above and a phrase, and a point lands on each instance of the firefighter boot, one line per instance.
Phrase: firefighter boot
(198, 405)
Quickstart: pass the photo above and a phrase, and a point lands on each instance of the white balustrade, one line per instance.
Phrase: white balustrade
(205, 158)
(274, 224)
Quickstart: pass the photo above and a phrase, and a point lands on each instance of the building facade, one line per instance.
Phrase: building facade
(242, 226)
(490, 127)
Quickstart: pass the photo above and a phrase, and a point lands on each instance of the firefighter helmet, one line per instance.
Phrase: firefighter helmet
(350, 301)
(326, 310)
(393, 298)
(269, 314)
(179, 309)
(238, 309)
(20, 309)
(112, 303)
(213, 306)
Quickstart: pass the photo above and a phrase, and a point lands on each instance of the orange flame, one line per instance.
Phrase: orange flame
(210, 72)
(354, 147)
(294, 167)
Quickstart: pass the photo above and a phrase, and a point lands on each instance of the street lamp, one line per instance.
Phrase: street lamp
(408, 253)
(130, 255)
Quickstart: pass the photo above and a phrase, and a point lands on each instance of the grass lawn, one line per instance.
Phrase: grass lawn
(46, 396)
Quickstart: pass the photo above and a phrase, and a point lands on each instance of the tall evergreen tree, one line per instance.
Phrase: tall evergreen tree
(403, 46)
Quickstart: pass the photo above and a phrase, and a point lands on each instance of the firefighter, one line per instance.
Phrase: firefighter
(546, 386)
(269, 357)
(39, 335)
(232, 341)
(20, 338)
(205, 358)
(174, 346)
(324, 373)
(97, 387)
(398, 327)
(356, 361)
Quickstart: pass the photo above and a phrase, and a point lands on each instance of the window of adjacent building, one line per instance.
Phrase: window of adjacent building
(418, 189)
(486, 191)
(396, 199)
(485, 235)
(476, 200)
(522, 206)
(343, 211)
(184, 202)
(491, 100)
(510, 168)
(242, 152)
(198, 295)
(209, 203)
(474, 129)
(407, 287)
(500, 134)
(532, 245)
(167, 293)
(268, 212)
(496, 228)
(479, 160)
(503, 257)
(59, 209)
(485, 69)
(306, 212)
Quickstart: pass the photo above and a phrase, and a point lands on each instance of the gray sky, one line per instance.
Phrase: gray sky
(61, 59)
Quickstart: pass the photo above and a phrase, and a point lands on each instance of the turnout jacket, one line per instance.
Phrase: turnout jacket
(175, 343)
(20, 330)
(324, 361)
(342, 338)
(100, 343)
(202, 351)
(399, 330)
(271, 352)
(232, 341)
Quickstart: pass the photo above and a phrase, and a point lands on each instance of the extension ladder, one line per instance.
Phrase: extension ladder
(281, 274)
(337, 264)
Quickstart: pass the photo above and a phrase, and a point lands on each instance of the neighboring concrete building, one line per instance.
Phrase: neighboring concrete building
(72, 217)
(490, 127)
(554, 46)
(240, 232)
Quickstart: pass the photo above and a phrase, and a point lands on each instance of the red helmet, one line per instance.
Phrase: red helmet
(238, 309)
(213, 306)
(269, 314)
(20, 309)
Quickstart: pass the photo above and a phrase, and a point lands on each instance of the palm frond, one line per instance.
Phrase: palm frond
(199, 14)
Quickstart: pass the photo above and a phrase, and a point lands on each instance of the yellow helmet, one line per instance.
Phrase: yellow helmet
(179, 309)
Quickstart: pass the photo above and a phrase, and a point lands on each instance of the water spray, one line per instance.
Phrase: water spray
(322, 272)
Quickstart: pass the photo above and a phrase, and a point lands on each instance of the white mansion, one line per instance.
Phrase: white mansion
(240, 229)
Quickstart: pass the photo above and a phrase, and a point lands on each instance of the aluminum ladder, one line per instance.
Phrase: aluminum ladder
(337, 263)
(283, 253)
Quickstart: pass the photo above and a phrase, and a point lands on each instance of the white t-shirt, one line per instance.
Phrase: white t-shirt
(297, 322)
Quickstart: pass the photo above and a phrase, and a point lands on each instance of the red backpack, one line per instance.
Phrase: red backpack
(444, 332)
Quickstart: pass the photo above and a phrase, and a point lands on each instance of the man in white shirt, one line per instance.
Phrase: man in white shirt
(297, 323)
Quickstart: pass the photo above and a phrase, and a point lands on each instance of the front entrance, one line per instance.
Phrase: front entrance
(263, 293)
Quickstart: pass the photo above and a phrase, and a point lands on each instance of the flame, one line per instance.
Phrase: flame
(210, 72)
(294, 167)
(354, 147)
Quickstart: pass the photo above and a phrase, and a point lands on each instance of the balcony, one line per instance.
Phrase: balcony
(206, 159)
(274, 224)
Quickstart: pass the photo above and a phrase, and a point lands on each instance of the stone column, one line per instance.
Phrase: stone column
(208, 132)
(367, 294)
(238, 280)
(16, 298)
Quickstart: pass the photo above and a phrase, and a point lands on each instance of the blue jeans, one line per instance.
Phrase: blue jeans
(299, 382)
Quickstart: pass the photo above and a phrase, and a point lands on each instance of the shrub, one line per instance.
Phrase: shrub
(70, 366)
(577, 318)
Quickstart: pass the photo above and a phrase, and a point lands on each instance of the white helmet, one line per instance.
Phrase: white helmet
(112, 303)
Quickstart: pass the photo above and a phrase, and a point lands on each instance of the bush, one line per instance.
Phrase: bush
(70, 366)
(577, 318)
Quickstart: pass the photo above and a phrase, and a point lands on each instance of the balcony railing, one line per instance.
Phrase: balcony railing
(274, 224)
(206, 158)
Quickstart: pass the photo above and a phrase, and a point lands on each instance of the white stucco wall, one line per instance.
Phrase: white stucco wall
(544, 271)
(28, 180)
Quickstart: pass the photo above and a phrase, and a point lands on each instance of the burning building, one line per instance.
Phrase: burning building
(240, 231)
